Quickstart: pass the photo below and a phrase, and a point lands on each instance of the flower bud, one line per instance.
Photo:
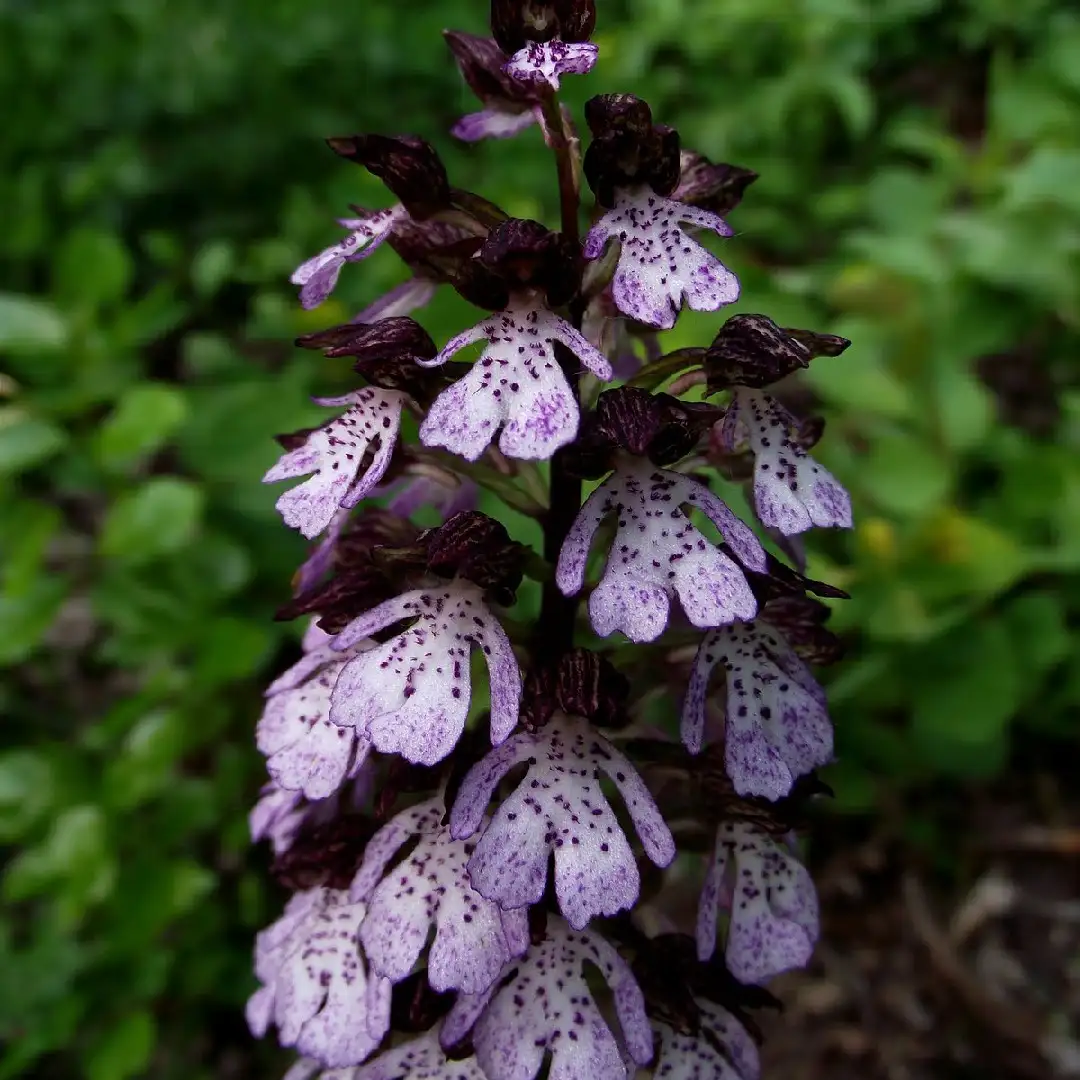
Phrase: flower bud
(408, 166)
(718, 188)
(515, 23)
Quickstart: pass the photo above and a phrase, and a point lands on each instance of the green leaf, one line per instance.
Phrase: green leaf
(73, 863)
(27, 791)
(964, 407)
(1036, 624)
(144, 419)
(26, 615)
(159, 518)
(966, 689)
(141, 768)
(28, 324)
(904, 476)
(212, 266)
(26, 441)
(124, 1050)
(93, 267)
(231, 649)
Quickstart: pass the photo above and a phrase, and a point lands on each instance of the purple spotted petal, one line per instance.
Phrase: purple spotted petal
(333, 454)
(546, 62)
(561, 1017)
(516, 385)
(420, 1058)
(306, 752)
(660, 266)
(318, 275)
(473, 936)
(277, 817)
(559, 807)
(774, 920)
(493, 123)
(316, 988)
(777, 726)
(721, 1050)
(657, 553)
(792, 492)
(410, 695)
(402, 299)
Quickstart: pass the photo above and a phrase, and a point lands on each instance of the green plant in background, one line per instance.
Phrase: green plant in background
(919, 195)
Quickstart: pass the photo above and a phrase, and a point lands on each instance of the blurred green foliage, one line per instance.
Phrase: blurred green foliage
(161, 175)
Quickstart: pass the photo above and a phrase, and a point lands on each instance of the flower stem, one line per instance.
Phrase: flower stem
(563, 143)
(555, 627)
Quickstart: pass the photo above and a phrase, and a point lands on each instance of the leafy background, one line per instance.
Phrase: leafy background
(162, 172)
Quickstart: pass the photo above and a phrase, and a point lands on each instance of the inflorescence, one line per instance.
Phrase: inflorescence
(469, 798)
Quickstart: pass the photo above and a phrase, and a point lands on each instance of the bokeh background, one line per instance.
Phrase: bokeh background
(162, 172)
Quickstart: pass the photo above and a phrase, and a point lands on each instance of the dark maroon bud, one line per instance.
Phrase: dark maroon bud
(371, 532)
(515, 23)
(718, 188)
(397, 338)
(658, 426)
(628, 150)
(408, 166)
(751, 350)
(629, 418)
(327, 854)
(621, 113)
(663, 163)
(481, 62)
(480, 285)
(526, 255)
(433, 247)
(387, 353)
(478, 548)
(819, 344)
(580, 683)
(349, 592)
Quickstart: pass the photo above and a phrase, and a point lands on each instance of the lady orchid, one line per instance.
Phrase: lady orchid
(466, 799)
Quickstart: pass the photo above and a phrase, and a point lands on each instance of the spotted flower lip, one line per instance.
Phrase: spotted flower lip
(410, 695)
(420, 1058)
(318, 276)
(660, 266)
(334, 456)
(722, 1050)
(305, 751)
(777, 726)
(546, 62)
(474, 937)
(774, 921)
(658, 553)
(316, 988)
(559, 807)
(562, 1017)
(792, 492)
(516, 384)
